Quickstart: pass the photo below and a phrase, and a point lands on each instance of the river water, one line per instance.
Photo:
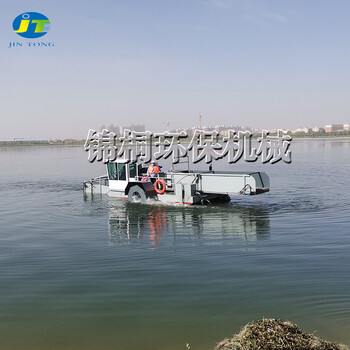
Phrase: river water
(93, 273)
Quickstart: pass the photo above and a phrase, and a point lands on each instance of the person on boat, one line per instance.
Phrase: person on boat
(153, 169)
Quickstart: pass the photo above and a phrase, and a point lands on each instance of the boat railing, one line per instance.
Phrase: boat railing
(96, 183)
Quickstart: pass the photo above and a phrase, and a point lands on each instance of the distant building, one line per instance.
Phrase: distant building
(334, 127)
(113, 128)
(347, 127)
(30, 140)
(302, 130)
(188, 131)
(317, 129)
(119, 130)
(220, 128)
(109, 127)
(135, 127)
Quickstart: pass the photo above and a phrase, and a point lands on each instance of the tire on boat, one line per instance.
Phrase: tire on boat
(137, 195)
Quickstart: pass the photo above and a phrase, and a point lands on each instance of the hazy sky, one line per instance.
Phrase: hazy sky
(261, 63)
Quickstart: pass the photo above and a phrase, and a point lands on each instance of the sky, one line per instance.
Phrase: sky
(258, 63)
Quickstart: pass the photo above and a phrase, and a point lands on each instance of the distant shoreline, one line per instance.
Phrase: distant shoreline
(76, 143)
(80, 143)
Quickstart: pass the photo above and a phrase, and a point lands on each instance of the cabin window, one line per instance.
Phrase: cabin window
(141, 171)
(112, 171)
(132, 170)
(121, 171)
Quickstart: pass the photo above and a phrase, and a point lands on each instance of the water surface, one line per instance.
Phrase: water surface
(93, 273)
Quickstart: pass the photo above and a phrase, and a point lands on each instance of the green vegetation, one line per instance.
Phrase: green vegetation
(73, 142)
(66, 142)
(312, 134)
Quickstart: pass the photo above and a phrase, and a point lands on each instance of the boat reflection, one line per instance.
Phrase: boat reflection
(166, 225)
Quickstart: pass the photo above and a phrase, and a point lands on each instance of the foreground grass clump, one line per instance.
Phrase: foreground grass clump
(272, 334)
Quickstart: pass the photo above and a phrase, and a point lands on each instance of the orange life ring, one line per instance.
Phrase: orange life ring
(162, 190)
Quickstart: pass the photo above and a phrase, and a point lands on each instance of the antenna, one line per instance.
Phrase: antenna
(200, 122)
